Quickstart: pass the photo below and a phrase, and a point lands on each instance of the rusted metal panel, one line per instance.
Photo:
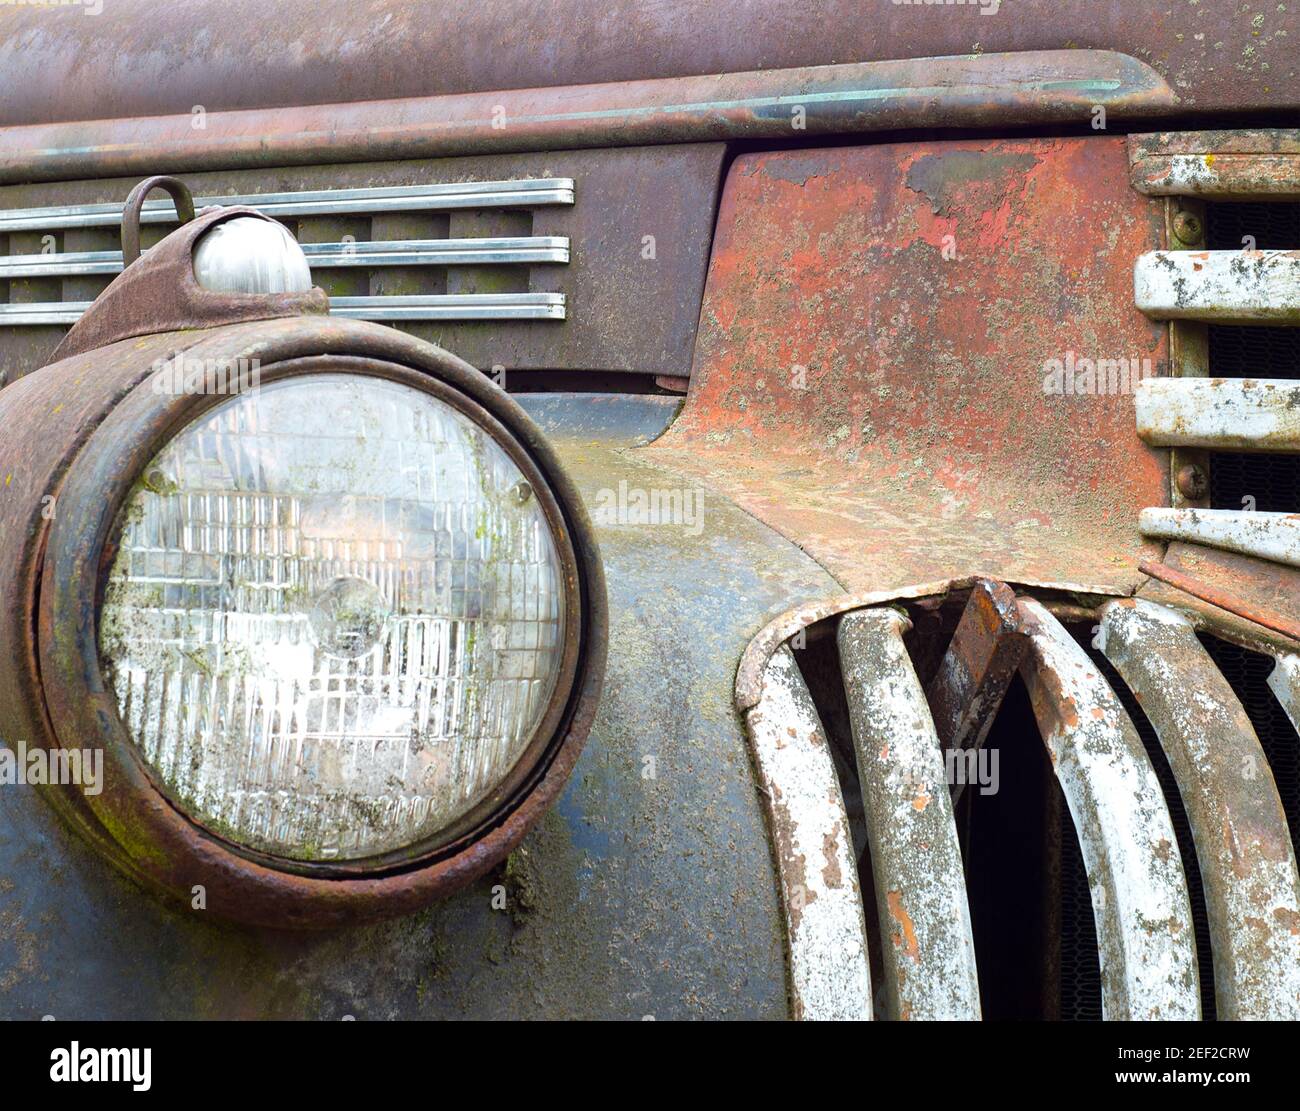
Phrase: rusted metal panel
(1226, 287)
(977, 668)
(1256, 600)
(1225, 414)
(883, 337)
(970, 90)
(929, 959)
(633, 304)
(830, 975)
(1247, 864)
(1218, 165)
(126, 62)
(1139, 893)
(1274, 536)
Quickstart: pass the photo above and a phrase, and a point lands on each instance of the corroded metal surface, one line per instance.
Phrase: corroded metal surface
(1226, 287)
(1274, 536)
(974, 90)
(830, 975)
(1285, 683)
(57, 64)
(1247, 864)
(1256, 601)
(876, 369)
(977, 668)
(1139, 893)
(1225, 414)
(1217, 165)
(929, 957)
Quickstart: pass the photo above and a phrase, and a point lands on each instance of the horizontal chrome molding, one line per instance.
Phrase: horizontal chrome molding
(1273, 536)
(526, 193)
(981, 90)
(443, 306)
(1231, 287)
(1227, 414)
(522, 250)
(465, 306)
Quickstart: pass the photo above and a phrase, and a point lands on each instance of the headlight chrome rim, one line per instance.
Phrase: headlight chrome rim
(170, 846)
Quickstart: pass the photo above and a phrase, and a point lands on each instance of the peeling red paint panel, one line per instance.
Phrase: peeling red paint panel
(874, 371)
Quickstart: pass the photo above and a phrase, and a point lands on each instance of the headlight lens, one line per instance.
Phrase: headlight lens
(335, 618)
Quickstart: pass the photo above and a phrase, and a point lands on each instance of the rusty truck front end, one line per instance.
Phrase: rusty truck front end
(724, 511)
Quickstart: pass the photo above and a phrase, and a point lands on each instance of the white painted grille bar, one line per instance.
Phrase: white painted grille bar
(1232, 287)
(520, 250)
(1285, 684)
(1227, 414)
(921, 905)
(830, 975)
(1274, 536)
(1140, 903)
(1252, 887)
(318, 202)
(466, 306)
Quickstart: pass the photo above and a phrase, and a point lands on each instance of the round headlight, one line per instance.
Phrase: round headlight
(335, 617)
(249, 254)
(321, 597)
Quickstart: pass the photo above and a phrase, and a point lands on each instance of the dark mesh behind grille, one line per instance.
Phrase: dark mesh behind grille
(1272, 480)
(1080, 968)
(1275, 225)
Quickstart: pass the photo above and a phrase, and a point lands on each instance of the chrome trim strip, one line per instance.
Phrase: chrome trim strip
(465, 306)
(391, 198)
(1272, 536)
(443, 306)
(399, 252)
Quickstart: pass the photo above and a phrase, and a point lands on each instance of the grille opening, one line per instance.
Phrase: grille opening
(1031, 910)
(1037, 958)
(1275, 225)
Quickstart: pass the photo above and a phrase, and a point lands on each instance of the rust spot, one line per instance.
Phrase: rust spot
(831, 876)
(1290, 919)
(905, 935)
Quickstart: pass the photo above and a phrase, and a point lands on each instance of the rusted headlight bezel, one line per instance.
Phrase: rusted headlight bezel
(134, 817)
